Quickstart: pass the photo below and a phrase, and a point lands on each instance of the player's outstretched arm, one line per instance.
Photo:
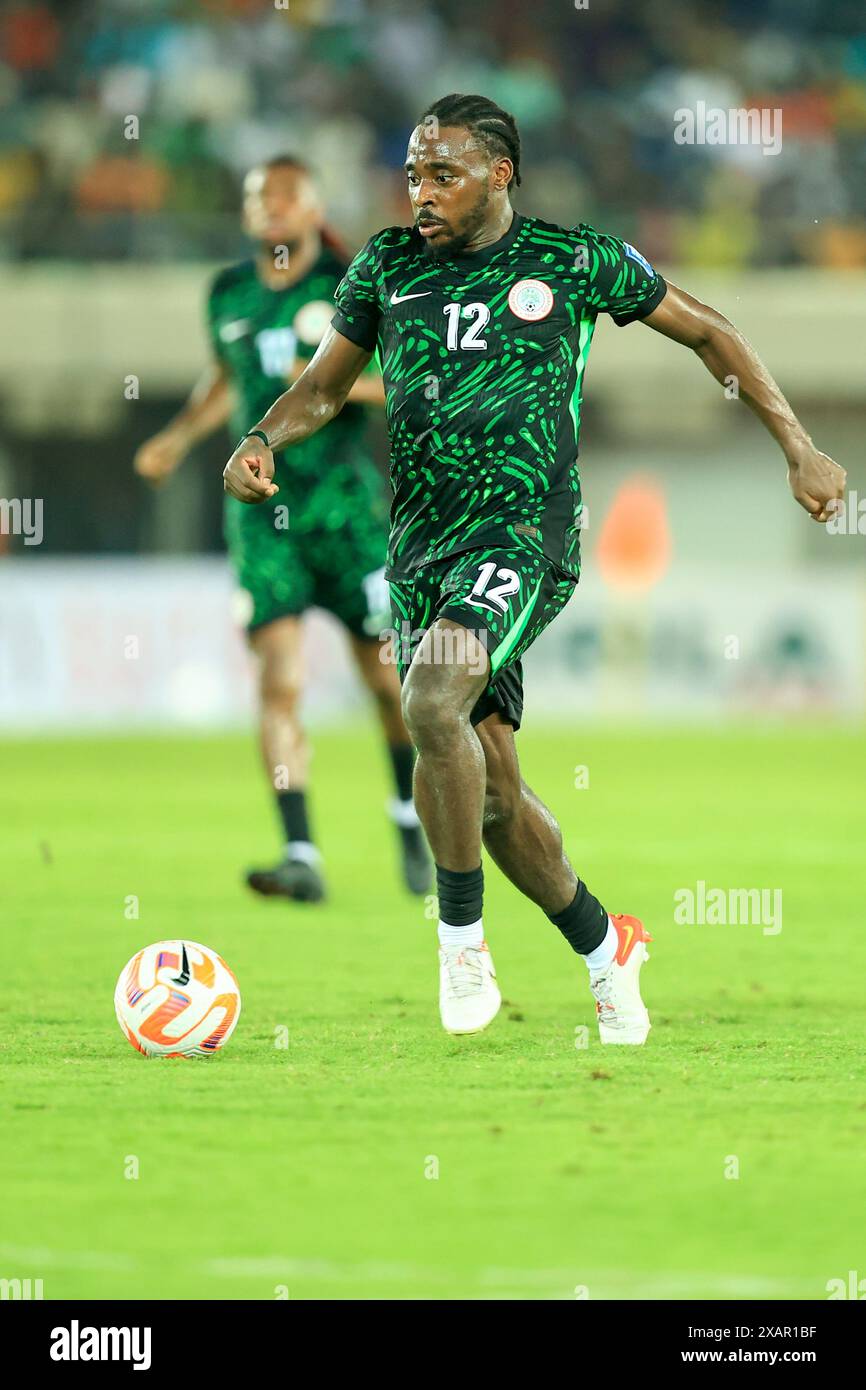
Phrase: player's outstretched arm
(815, 480)
(208, 407)
(316, 397)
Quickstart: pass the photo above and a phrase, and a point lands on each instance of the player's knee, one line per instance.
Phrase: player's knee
(281, 690)
(430, 716)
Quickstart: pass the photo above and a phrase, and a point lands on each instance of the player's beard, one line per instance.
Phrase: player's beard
(469, 229)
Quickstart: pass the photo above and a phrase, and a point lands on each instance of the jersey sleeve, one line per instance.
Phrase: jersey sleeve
(620, 281)
(357, 300)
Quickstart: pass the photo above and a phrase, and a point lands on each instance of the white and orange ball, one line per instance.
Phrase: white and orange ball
(177, 999)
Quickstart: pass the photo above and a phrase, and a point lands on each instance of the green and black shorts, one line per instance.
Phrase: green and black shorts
(506, 598)
(326, 550)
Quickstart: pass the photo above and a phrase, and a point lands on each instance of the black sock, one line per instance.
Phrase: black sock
(460, 896)
(412, 836)
(292, 807)
(583, 923)
(402, 762)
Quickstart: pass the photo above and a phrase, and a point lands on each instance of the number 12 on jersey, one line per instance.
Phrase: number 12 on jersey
(470, 341)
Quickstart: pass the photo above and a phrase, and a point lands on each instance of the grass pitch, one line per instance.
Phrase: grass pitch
(374, 1156)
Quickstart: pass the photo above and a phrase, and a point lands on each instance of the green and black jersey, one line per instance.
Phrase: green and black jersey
(321, 540)
(259, 334)
(483, 357)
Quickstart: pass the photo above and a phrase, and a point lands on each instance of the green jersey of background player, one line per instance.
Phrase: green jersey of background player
(483, 320)
(322, 542)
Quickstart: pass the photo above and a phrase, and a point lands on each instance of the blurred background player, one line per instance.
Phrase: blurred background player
(322, 539)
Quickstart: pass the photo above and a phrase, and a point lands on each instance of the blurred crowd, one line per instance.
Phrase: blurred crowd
(126, 125)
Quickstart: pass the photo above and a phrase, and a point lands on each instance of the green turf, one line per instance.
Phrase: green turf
(558, 1167)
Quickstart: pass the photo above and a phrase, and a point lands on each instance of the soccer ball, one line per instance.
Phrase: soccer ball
(177, 999)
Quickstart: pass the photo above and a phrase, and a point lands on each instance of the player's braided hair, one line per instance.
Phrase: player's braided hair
(328, 235)
(495, 128)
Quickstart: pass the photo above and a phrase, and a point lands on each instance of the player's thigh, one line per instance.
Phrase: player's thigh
(448, 672)
(273, 580)
(441, 665)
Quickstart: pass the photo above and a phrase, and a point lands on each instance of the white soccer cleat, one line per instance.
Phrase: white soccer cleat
(469, 996)
(622, 1014)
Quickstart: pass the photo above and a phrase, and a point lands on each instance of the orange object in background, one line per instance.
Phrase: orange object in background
(29, 38)
(122, 183)
(634, 547)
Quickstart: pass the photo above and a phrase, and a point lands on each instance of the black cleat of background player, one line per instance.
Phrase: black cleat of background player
(291, 878)
(415, 860)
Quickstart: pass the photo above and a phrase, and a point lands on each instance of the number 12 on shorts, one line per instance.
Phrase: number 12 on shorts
(497, 594)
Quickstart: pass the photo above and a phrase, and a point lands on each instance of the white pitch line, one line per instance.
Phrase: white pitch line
(668, 1283)
(557, 1283)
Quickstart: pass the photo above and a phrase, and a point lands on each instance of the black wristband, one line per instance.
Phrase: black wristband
(259, 434)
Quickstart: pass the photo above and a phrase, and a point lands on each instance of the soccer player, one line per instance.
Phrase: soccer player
(483, 320)
(323, 541)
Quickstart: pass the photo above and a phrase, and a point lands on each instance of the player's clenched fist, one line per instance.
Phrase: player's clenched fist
(249, 473)
(816, 481)
(158, 457)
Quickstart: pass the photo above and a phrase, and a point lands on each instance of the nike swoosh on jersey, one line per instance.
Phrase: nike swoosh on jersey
(399, 298)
